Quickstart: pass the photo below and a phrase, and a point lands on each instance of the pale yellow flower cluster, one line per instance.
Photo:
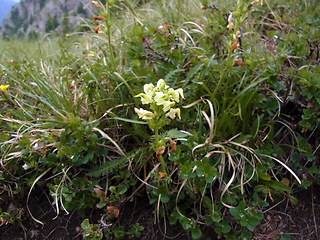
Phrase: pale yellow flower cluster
(161, 95)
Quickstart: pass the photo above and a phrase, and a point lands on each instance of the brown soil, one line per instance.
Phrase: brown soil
(301, 222)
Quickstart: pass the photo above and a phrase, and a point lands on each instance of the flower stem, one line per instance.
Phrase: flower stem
(108, 25)
(163, 164)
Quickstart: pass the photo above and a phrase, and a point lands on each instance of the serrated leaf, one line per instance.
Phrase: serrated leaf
(106, 168)
(175, 133)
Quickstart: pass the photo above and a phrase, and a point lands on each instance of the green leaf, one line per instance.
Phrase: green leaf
(164, 198)
(128, 120)
(264, 176)
(86, 159)
(225, 228)
(107, 167)
(85, 225)
(113, 189)
(234, 212)
(264, 204)
(246, 235)
(196, 233)
(216, 216)
(244, 222)
(122, 189)
(254, 221)
(186, 224)
(277, 185)
(294, 201)
(209, 220)
(174, 133)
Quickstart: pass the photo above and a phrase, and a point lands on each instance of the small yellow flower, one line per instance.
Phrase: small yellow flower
(144, 114)
(173, 112)
(67, 34)
(4, 87)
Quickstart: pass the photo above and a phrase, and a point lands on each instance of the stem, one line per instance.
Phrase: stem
(163, 164)
(7, 99)
(109, 37)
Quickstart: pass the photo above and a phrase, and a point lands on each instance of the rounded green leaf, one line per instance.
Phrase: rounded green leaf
(122, 189)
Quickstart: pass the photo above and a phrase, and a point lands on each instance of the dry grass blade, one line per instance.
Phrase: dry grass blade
(189, 36)
(32, 186)
(120, 151)
(231, 179)
(285, 166)
(56, 193)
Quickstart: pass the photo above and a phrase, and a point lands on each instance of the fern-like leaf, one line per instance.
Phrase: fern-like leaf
(107, 167)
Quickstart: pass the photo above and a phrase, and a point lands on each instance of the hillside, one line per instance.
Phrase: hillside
(29, 18)
(6, 6)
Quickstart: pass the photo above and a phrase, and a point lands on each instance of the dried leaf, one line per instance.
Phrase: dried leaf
(114, 210)
(173, 145)
(239, 62)
(100, 193)
(98, 29)
(96, 4)
(162, 175)
(160, 151)
(286, 181)
(98, 18)
(234, 45)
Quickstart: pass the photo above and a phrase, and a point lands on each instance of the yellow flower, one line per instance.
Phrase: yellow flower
(67, 34)
(180, 92)
(230, 23)
(145, 99)
(161, 84)
(4, 87)
(144, 114)
(167, 105)
(149, 89)
(160, 98)
(173, 112)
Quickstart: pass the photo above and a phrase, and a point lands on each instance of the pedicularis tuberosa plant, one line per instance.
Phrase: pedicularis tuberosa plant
(162, 100)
